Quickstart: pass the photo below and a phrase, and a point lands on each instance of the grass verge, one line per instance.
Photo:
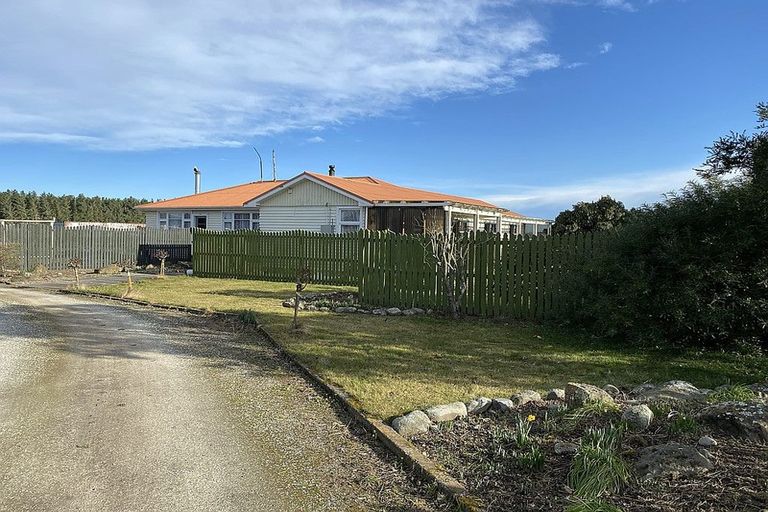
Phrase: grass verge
(391, 365)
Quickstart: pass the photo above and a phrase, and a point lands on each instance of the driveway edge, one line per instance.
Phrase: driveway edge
(394, 442)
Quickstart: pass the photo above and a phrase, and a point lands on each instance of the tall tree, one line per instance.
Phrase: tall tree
(605, 213)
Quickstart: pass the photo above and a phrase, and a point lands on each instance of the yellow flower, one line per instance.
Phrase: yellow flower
(531, 417)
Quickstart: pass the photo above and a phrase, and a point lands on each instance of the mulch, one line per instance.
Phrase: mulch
(479, 452)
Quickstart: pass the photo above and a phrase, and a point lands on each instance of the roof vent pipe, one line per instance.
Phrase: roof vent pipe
(331, 170)
(197, 180)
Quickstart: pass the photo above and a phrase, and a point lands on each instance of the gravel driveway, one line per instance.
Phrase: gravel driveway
(107, 407)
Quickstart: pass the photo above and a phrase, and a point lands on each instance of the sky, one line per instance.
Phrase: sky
(530, 104)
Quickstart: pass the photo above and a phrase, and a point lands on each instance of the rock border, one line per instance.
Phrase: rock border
(394, 442)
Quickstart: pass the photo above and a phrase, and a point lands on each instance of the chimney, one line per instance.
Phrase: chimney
(331, 170)
(197, 180)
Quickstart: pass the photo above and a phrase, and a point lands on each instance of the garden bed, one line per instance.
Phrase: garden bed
(487, 453)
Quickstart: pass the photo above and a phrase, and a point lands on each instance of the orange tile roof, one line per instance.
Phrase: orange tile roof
(375, 190)
(230, 197)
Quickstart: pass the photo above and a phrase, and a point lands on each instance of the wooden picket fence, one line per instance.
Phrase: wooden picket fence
(517, 277)
(330, 259)
(96, 246)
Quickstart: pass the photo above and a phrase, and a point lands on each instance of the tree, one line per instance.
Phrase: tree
(449, 252)
(162, 255)
(604, 214)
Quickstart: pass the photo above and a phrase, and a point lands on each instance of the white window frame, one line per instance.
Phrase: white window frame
(230, 221)
(341, 224)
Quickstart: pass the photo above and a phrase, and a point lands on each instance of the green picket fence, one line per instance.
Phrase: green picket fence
(517, 277)
(330, 259)
(95, 246)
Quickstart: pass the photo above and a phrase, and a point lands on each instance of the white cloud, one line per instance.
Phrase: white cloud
(147, 74)
(632, 189)
(316, 140)
(605, 47)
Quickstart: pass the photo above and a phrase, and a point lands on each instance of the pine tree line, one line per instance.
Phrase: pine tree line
(34, 206)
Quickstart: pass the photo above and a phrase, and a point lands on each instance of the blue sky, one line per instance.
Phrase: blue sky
(532, 104)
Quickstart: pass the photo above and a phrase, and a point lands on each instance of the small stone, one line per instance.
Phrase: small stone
(408, 312)
(287, 304)
(504, 405)
(310, 307)
(747, 420)
(671, 460)
(418, 311)
(415, 422)
(639, 417)
(478, 405)
(523, 397)
(563, 447)
(379, 312)
(394, 311)
(556, 394)
(612, 390)
(324, 308)
(446, 412)
(707, 441)
(345, 309)
(577, 394)
(672, 390)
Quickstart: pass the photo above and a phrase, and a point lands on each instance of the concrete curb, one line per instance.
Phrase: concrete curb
(394, 442)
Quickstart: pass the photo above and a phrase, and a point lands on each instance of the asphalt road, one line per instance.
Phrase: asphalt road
(106, 407)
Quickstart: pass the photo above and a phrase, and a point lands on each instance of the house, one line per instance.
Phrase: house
(328, 203)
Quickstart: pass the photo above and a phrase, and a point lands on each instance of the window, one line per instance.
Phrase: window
(543, 229)
(460, 226)
(529, 229)
(242, 220)
(175, 220)
(513, 229)
(490, 227)
(350, 219)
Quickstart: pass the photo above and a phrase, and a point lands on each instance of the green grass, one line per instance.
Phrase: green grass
(597, 467)
(392, 365)
(737, 393)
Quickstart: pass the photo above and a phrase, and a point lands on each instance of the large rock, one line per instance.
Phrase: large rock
(446, 412)
(739, 419)
(562, 447)
(345, 309)
(523, 397)
(504, 405)
(639, 417)
(413, 423)
(555, 394)
(577, 394)
(671, 460)
(672, 390)
(478, 405)
(394, 311)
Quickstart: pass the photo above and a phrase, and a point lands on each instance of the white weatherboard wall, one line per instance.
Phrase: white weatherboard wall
(304, 205)
(288, 218)
(151, 219)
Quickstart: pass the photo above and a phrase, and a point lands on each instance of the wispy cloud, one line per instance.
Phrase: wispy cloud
(632, 189)
(147, 74)
(605, 47)
(316, 140)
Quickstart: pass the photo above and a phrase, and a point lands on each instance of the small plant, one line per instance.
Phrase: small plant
(592, 506)
(597, 467)
(682, 424)
(523, 432)
(162, 255)
(128, 265)
(531, 459)
(592, 409)
(248, 317)
(302, 281)
(76, 263)
(737, 393)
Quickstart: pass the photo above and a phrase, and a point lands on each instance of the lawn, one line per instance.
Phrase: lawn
(392, 365)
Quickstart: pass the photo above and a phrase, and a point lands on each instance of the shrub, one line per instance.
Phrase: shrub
(692, 270)
(737, 393)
